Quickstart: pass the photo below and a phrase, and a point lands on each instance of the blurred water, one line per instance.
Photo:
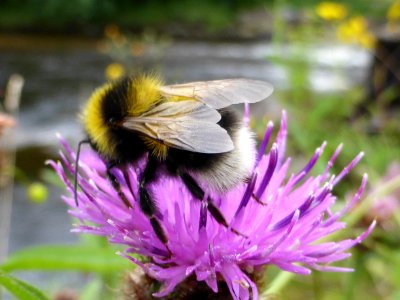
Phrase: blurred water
(58, 80)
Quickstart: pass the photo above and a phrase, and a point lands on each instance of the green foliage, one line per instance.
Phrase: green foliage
(90, 16)
(93, 255)
(362, 7)
(75, 13)
(67, 257)
(78, 15)
(20, 289)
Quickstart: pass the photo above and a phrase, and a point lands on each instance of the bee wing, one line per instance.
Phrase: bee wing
(188, 125)
(221, 93)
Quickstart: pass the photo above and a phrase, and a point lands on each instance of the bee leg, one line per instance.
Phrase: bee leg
(148, 205)
(111, 177)
(198, 193)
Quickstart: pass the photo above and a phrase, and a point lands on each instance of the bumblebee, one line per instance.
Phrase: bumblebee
(188, 129)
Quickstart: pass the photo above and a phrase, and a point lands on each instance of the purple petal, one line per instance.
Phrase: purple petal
(283, 224)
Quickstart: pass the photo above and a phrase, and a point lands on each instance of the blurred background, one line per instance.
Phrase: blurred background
(335, 67)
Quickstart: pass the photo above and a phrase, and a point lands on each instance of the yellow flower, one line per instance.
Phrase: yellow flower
(358, 24)
(331, 11)
(351, 29)
(393, 13)
(114, 71)
(367, 40)
(355, 31)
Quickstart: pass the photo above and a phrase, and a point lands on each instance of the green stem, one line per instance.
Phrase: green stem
(280, 281)
(396, 216)
(317, 285)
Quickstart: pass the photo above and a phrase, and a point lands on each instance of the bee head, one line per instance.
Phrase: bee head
(104, 111)
(111, 103)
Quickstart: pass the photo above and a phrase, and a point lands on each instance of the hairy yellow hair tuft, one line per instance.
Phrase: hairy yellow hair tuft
(144, 93)
(157, 149)
(94, 123)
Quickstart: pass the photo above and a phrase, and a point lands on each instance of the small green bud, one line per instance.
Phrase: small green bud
(37, 192)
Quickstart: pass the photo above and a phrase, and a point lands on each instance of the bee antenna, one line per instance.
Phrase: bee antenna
(76, 169)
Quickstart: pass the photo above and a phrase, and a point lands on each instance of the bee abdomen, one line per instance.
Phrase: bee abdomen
(220, 171)
(231, 168)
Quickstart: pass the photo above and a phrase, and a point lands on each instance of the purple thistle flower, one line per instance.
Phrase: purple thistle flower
(282, 218)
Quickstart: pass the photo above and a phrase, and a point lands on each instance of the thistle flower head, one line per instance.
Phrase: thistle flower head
(282, 217)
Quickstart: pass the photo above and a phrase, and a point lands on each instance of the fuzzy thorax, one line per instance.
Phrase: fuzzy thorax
(143, 94)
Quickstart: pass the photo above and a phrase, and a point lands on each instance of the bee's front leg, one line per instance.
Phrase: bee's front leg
(116, 185)
(147, 203)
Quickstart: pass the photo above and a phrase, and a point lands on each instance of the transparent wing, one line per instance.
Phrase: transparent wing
(188, 125)
(221, 93)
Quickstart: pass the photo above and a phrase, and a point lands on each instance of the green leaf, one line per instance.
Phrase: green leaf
(19, 288)
(67, 257)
